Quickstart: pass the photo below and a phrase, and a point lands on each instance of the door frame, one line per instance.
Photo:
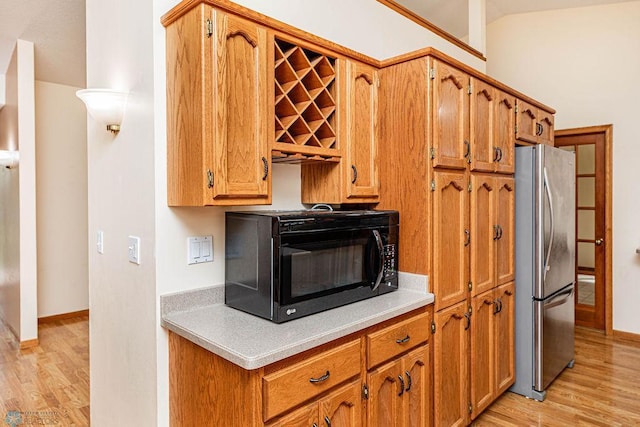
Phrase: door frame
(607, 130)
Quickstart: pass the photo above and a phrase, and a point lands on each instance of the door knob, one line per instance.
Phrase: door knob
(599, 241)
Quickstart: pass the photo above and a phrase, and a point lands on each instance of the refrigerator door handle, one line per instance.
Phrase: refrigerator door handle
(551, 231)
(556, 300)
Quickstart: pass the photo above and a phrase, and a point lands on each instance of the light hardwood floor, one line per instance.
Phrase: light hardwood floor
(603, 389)
(47, 384)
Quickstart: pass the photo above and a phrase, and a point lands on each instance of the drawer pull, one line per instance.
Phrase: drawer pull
(320, 379)
(403, 340)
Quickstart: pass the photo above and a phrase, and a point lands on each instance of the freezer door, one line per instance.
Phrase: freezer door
(553, 335)
(557, 210)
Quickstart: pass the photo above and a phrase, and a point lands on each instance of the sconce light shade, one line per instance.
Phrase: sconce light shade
(9, 159)
(105, 105)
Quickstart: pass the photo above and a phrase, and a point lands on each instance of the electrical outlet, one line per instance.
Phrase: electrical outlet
(134, 249)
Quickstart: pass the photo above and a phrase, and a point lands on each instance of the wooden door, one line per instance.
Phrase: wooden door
(482, 352)
(451, 366)
(545, 128)
(303, 417)
(362, 135)
(483, 233)
(482, 112)
(384, 407)
(451, 237)
(449, 110)
(504, 338)
(343, 407)
(593, 223)
(240, 153)
(505, 230)
(417, 397)
(526, 122)
(504, 133)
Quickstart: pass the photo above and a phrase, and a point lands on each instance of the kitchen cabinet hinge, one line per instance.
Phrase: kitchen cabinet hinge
(470, 309)
(470, 408)
(470, 187)
(433, 185)
(377, 81)
(470, 285)
(469, 89)
(209, 178)
(433, 327)
(516, 129)
(365, 392)
(432, 153)
(209, 27)
(432, 73)
(516, 109)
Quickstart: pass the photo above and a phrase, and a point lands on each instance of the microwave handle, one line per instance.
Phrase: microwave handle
(376, 235)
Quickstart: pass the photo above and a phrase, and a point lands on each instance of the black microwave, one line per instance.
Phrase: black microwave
(283, 265)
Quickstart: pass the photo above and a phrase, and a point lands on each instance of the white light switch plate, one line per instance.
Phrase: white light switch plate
(134, 249)
(199, 249)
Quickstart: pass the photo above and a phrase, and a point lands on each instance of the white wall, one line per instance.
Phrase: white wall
(3, 95)
(61, 159)
(18, 288)
(584, 62)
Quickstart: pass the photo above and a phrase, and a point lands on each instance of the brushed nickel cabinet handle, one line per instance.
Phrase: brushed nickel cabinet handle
(409, 381)
(319, 379)
(265, 167)
(403, 340)
(327, 421)
(354, 175)
(401, 385)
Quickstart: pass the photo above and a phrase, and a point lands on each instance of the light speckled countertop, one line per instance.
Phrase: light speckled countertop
(252, 342)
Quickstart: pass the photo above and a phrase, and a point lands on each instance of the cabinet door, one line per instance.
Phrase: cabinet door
(240, 153)
(504, 336)
(304, 417)
(384, 407)
(451, 237)
(343, 407)
(362, 135)
(545, 130)
(451, 366)
(504, 134)
(483, 233)
(526, 122)
(505, 239)
(449, 110)
(417, 396)
(482, 129)
(482, 352)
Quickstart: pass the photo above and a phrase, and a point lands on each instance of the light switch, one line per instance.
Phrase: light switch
(100, 241)
(199, 249)
(134, 249)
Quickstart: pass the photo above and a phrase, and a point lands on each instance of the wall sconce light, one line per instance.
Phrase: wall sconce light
(105, 105)
(9, 159)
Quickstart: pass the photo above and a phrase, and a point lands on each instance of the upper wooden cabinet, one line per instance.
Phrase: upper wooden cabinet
(217, 128)
(449, 106)
(355, 178)
(533, 125)
(504, 133)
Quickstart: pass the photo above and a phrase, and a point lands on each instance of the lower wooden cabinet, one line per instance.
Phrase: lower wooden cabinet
(345, 383)
(399, 391)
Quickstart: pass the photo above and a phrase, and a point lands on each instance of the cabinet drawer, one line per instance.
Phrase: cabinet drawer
(395, 339)
(292, 385)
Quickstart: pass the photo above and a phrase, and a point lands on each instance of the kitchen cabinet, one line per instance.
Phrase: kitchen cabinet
(492, 356)
(451, 237)
(505, 233)
(533, 125)
(355, 178)
(482, 125)
(337, 384)
(217, 146)
(504, 137)
(451, 366)
(399, 391)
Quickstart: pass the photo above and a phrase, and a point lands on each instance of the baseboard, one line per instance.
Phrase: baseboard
(629, 336)
(63, 316)
(29, 344)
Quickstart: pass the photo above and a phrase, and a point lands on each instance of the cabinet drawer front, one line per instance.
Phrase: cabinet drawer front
(395, 339)
(291, 386)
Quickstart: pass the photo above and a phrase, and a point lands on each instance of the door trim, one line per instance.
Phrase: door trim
(608, 231)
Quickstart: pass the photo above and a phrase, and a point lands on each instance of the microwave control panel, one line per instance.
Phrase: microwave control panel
(389, 261)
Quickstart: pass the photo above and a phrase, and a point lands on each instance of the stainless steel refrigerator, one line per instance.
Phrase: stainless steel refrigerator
(545, 267)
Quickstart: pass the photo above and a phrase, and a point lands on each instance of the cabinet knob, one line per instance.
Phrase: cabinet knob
(599, 242)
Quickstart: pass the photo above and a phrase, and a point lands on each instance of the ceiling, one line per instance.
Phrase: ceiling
(453, 15)
(57, 30)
